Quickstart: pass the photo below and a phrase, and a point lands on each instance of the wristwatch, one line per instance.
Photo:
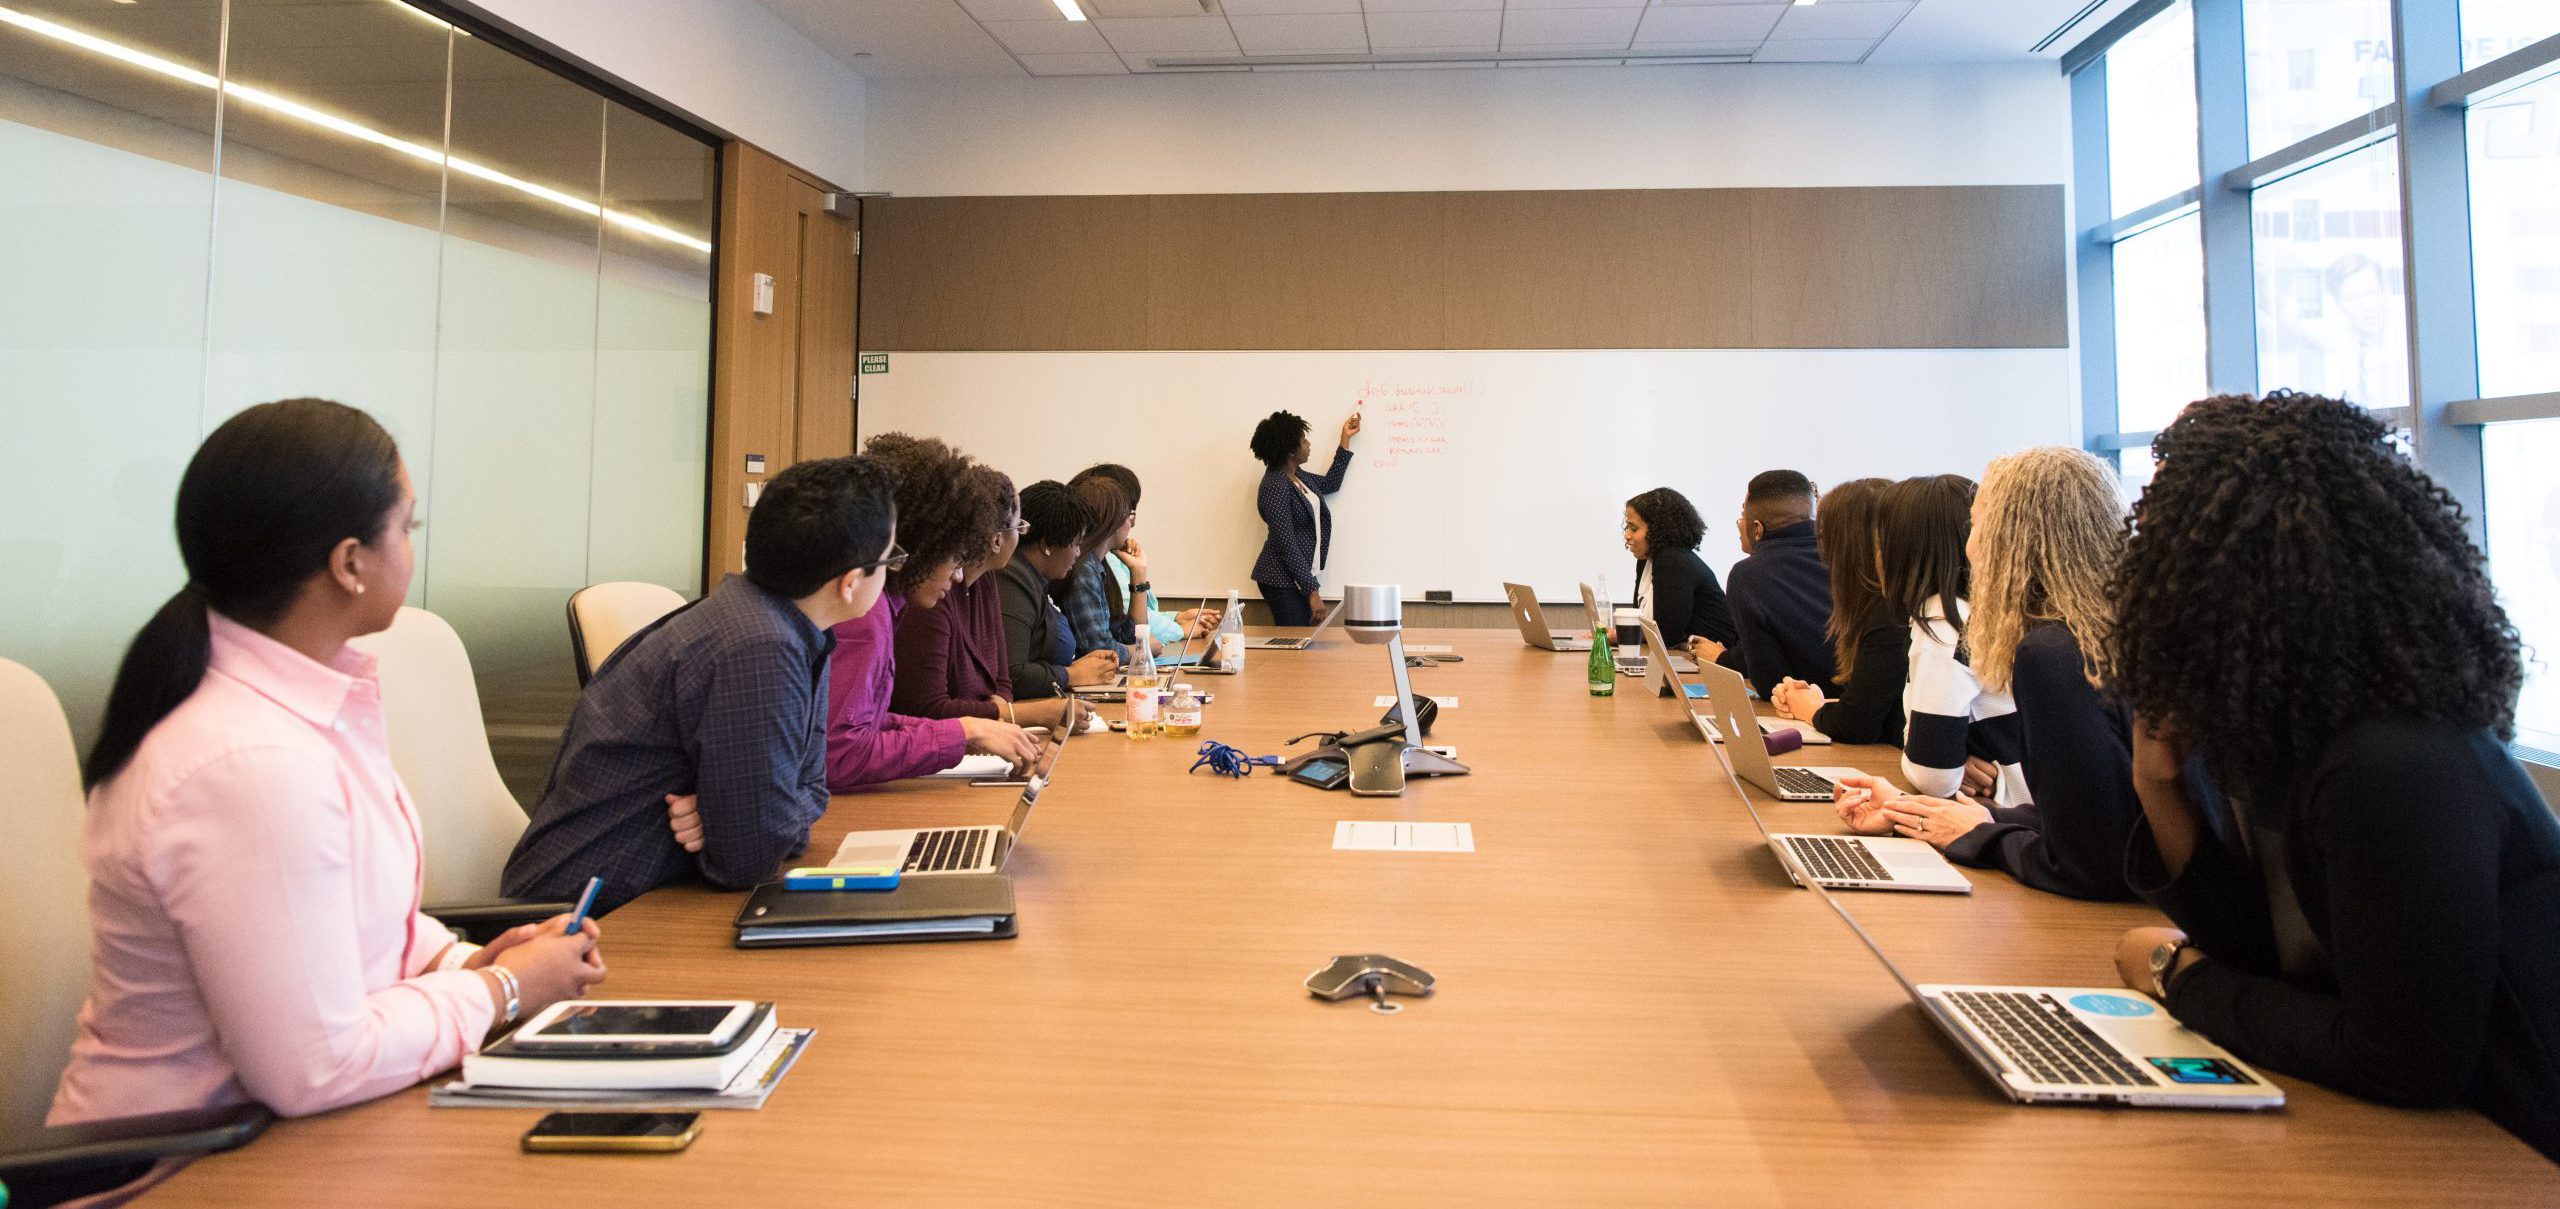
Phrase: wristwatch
(2164, 959)
(1141, 587)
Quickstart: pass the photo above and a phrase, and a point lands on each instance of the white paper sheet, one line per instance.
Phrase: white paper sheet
(1353, 835)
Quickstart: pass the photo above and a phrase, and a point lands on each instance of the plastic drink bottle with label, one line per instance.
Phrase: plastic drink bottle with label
(1143, 682)
(1182, 714)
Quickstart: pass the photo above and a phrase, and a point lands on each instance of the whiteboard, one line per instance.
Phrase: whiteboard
(1474, 467)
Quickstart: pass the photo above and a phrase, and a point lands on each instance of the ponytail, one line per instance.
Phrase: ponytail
(160, 671)
(265, 499)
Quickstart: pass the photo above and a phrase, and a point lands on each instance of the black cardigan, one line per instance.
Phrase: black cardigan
(1030, 631)
(2428, 870)
(2076, 750)
(1686, 599)
(1870, 706)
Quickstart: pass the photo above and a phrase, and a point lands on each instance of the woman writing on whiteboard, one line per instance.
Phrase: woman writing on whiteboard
(1291, 567)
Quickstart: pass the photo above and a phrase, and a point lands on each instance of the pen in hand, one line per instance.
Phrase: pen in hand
(586, 900)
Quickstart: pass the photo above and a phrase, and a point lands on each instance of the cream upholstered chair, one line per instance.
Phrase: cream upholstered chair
(604, 616)
(467, 819)
(44, 900)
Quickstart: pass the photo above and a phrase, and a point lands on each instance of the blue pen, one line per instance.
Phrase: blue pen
(578, 918)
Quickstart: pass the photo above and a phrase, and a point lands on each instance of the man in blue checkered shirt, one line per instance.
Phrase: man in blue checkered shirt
(699, 748)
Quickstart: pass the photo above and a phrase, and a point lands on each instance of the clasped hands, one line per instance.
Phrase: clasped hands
(1872, 806)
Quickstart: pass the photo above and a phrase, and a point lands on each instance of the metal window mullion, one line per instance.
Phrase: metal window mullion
(2507, 409)
(2095, 260)
(2222, 144)
(2498, 76)
(2158, 214)
(2346, 138)
(2435, 254)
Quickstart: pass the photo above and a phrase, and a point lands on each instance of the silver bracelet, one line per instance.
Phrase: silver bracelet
(513, 990)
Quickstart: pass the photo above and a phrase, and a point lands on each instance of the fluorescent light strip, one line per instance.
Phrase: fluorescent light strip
(261, 98)
(1069, 10)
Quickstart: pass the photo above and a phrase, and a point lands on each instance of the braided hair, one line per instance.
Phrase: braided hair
(2288, 574)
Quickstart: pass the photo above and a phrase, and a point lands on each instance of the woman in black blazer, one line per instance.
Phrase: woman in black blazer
(1291, 566)
(2369, 901)
(1674, 588)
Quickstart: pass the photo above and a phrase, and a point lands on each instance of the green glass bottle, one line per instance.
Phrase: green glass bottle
(1604, 669)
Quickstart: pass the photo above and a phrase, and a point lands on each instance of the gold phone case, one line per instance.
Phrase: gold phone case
(567, 1143)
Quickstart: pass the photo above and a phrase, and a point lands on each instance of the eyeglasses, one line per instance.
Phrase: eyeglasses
(894, 559)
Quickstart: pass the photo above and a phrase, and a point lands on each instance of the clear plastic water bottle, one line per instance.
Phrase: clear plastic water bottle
(1227, 645)
(1182, 714)
(1143, 682)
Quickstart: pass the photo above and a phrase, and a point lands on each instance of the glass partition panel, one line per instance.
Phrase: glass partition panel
(332, 192)
(106, 208)
(2524, 560)
(2331, 318)
(2313, 64)
(2491, 28)
(2159, 324)
(2151, 111)
(653, 355)
(515, 373)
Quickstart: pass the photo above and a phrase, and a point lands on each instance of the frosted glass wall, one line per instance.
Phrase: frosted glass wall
(531, 319)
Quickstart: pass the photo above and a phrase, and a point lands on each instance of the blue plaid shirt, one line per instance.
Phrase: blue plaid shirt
(1088, 608)
(725, 698)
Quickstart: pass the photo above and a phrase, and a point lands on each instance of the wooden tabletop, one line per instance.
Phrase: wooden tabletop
(1634, 1006)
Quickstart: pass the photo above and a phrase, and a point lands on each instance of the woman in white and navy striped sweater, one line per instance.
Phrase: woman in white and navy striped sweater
(2047, 530)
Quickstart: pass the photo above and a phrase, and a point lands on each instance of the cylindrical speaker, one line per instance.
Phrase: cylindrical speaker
(1373, 613)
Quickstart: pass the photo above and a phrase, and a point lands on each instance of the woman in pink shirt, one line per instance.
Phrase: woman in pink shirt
(254, 864)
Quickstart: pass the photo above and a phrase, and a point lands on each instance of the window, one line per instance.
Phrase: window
(2524, 560)
(2313, 64)
(2515, 238)
(2330, 313)
(2491, 28)
(2159, 324)
(2151, 111)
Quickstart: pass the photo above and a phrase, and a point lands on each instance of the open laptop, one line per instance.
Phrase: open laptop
(1669, 684)
(1729, 708)
(1854, 862)
(1299, 643)
(1532, 621)
(2079, 1045)
(1631, 661)
(931, 851)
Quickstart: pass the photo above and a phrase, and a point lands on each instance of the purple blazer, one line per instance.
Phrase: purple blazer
(866, 743)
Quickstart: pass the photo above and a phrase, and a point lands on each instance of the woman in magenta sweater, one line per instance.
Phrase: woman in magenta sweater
(952, 661)
(945, 525)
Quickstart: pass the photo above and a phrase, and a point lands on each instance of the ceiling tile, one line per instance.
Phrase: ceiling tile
(1517, 5)
(1716, 23)
(1430, 66)
(1074, 65)
(1144, 8)
(1328, 33)
(1050, 37)
(1012, 10)
(1569, 27)
(1166, 35)
(1815, 50)
(1285, 8)
(1313, 67)
(1476, 30)
(1869, 21)
(1436, 6)
(1699, 48)
(1562, 62)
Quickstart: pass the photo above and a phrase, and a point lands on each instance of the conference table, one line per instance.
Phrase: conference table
(1634, 1006)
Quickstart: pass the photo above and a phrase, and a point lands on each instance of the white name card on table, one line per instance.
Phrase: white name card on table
(1352, 835)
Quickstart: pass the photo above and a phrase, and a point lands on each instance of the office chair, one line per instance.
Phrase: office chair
(467, 819)
(44, 946)
(604, 616)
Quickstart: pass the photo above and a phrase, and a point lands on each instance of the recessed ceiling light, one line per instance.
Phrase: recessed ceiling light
(1069, 10)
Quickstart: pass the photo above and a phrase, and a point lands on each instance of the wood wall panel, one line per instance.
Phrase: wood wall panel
(1620, 268)
(1923, 267)
(1907, 268)
(1046, 272)
(1295, 270)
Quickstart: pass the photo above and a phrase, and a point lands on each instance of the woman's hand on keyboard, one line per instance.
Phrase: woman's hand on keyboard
(1861, 801)
(1939, 821)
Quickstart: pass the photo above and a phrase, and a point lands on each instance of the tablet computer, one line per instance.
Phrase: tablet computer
(661, 1025)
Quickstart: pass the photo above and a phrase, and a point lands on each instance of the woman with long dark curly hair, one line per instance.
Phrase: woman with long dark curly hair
(1675, 589)
(945, 523)
(2370, 899)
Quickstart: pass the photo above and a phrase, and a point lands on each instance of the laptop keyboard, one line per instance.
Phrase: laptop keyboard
(1803, 780)
(946, 850)
(2041, 1037)
(1839, 860)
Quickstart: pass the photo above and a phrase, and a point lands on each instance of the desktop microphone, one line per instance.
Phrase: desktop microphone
(1374, 613)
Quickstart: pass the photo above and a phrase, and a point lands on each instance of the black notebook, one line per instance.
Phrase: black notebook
(967, 906)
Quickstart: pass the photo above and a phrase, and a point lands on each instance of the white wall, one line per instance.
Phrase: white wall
(1507, 128)
(728, 62)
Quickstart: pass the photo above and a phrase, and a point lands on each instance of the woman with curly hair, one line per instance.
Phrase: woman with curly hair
(1869, 645)
(952, 661)
(2369, 900)
(2047, 529)
(944, 525)
(1674, 588)
(1290, 569)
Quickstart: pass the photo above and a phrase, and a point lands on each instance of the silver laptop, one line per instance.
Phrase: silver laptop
(932, 851)
(1532, 621)
(2081, 1045)
(1670, 684)
(1729, 709)
(1300, 643)
(1631, 662)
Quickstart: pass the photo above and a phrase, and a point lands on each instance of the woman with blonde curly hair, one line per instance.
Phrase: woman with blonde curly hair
(2048, 529)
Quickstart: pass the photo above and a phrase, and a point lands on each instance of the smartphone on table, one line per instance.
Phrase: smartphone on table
(614, 1132)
